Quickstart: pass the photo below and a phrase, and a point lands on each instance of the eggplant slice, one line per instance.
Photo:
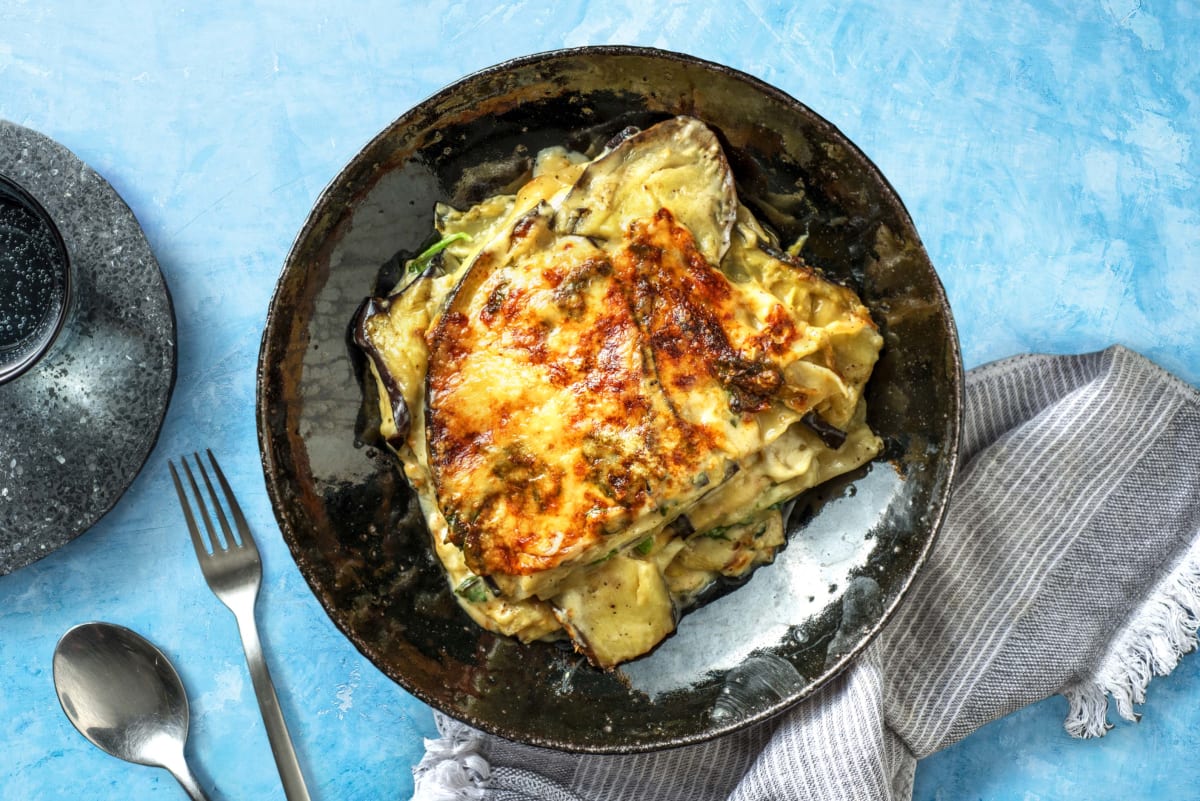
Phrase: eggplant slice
(677, 165)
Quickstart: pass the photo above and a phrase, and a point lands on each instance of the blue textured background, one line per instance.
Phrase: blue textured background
(1048, 153)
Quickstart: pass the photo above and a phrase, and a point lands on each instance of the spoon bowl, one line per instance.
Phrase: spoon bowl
(123, 694)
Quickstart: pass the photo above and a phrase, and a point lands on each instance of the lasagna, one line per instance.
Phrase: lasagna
(603, 388)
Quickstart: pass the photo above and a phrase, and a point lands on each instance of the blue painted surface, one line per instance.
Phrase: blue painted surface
(1049, 153)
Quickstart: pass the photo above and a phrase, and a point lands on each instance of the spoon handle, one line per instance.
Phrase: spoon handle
(183, 774)
(268, 704)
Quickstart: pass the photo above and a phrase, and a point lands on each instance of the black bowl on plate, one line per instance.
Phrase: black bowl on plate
(353, 525)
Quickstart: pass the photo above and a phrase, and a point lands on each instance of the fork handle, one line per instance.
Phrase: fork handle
(268, 704)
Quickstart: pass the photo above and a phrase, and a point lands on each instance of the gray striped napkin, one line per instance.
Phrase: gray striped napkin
(1069, 562)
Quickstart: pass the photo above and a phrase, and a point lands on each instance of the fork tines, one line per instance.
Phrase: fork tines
(215, 542)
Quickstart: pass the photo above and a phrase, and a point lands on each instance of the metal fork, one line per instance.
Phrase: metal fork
(233, 570)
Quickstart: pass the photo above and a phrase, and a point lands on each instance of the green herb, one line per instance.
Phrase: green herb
(643, 547)
(421, 262)
(605, 558)
(473, 589)
(718, 533)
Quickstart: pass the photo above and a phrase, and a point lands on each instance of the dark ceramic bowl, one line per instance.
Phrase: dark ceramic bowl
(35, 280)
(353, 525)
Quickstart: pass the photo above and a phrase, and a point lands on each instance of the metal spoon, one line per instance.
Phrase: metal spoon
(123, 694)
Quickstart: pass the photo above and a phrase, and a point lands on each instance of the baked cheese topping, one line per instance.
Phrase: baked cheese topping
(605, 386)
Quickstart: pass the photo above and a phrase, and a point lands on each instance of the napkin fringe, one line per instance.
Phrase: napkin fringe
(453, 769)
(1156, 637)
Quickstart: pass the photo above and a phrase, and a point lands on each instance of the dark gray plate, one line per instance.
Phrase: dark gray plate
(76, 428)
(352, 523)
